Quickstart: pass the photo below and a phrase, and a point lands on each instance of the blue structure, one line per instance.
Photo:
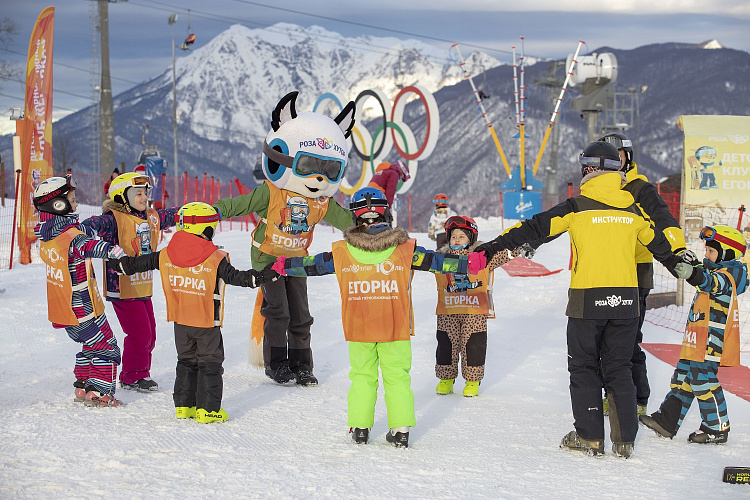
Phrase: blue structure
(156, 168)
(520, 202)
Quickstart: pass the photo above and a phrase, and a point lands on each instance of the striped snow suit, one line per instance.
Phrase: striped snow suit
(693, 379)
(96, 364)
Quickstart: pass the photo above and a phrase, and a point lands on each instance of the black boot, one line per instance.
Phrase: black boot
(654, 423)
(359, 435)
(704, 435)
(398, 439)
(281, 375)
(305, 377)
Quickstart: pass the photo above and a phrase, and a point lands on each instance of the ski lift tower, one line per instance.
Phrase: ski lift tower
(593, 73)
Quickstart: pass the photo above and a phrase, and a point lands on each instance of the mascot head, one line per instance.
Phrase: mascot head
(306, 153)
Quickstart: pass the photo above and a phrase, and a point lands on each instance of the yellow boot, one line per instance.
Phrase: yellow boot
(471, 389)
(445, 386)
(184, 412)
(206, 417)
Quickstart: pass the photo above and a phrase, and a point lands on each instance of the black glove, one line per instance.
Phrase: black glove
(677, 267)
(120, 266)
(688, 257)
(257, 278)
(527, 251)
(490, 249)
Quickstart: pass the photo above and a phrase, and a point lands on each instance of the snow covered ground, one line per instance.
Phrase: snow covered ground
(293, 442)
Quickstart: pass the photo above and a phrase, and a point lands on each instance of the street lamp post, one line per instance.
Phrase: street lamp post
(172, 21)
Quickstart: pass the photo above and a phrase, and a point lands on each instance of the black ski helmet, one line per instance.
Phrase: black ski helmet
(622, 143)
(599, 155)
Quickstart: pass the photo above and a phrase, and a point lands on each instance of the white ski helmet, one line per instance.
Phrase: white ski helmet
(51, 195)
(307, 153)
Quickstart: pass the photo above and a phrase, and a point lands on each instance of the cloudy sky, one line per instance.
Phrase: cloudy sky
(140, 36)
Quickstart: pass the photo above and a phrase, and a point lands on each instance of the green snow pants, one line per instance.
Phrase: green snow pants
(395, 362)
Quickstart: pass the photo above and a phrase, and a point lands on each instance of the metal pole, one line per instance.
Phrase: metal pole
(106, 113)
(172, 20)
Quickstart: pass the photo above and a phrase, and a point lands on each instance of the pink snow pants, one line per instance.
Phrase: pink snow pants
(139, 325)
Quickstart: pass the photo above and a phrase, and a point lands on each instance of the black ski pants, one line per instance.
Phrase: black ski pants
(640, 375)
(609, 342)
(285, 309)
(198, 378)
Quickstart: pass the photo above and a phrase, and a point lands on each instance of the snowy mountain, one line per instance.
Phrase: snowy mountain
(227, 88)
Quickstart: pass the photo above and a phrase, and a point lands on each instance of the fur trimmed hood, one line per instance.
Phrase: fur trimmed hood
(113, 206)
(358, 237)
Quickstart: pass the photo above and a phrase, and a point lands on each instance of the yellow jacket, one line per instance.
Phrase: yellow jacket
(605, 226)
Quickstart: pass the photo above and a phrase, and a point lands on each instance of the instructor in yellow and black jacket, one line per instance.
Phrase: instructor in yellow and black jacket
(604, 225)
(653, 206)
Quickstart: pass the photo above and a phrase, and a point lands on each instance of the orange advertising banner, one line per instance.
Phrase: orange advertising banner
(36, 132)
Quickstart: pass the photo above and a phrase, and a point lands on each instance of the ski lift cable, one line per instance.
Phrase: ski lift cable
(488, 124)
(564, 89)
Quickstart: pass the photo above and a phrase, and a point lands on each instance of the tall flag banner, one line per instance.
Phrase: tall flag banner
(36, 129)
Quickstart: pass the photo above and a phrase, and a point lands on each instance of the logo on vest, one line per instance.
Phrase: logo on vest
(689, 338)
(614, 301)
(462, 300)
(54, 273)
(290, 243)
(187, 283)
(52, 255)
(373, 287)
(355, 268)
(387, 267)
(294, 216)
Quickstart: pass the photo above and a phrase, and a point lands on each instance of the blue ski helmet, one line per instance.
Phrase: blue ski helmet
(369, 205)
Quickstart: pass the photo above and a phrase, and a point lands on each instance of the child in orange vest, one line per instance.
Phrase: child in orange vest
(73, 300)
(712, 339)
(374, 265)
(464, 303)
(193, 274)
(127, 219)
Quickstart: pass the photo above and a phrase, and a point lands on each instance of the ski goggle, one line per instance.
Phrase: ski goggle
(306, 164)
(617, 142)
(708, 234)
(599, 162)
(197, 219)
(457, 222)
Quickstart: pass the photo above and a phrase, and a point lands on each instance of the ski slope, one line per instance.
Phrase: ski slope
(293, 442)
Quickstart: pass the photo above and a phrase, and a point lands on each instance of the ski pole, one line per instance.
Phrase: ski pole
(557, 106)
(488, 124)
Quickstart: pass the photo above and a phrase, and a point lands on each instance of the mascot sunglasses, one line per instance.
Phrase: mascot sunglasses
(307, 164)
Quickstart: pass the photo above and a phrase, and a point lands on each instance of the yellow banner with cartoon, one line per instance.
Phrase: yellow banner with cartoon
(716, 171)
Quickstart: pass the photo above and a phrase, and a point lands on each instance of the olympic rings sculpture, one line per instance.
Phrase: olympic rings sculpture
(374, 148)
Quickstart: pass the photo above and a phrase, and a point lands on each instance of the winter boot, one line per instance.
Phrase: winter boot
(704, 435)
(398, 437)
(652, 422)
(642, 410)
(184, 412)
(572, 441)
(96, 398)
(623, 450)
(445, 386)
(359, 435)
(206, 417)
(305, 377)
(605, 406)
(80, 391)
(146, 384)
(471, 389)
(281, 375)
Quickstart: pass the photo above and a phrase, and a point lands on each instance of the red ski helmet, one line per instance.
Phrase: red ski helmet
(441, 200)
(467, 224)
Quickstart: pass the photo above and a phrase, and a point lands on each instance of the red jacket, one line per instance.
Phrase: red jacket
(386, 179)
